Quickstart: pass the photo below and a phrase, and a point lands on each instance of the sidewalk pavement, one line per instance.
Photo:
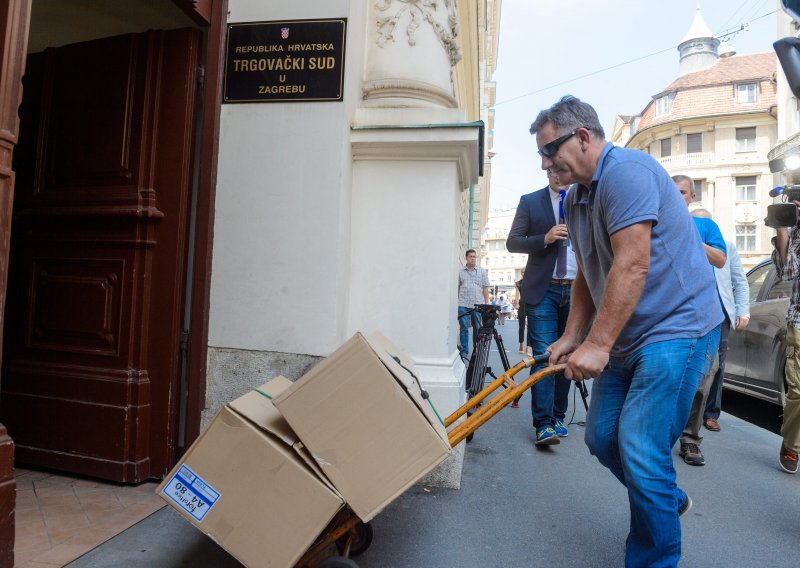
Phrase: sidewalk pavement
(519, 506)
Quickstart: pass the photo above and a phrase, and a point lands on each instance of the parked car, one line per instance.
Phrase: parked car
(757, 356)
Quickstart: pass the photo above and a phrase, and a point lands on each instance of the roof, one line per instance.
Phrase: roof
(710, 92)
(729, 69)
(698, 29)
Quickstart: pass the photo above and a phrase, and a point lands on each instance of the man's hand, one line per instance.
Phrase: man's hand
(586, 362)
(741, 322)
(561, 349)
(556, 233)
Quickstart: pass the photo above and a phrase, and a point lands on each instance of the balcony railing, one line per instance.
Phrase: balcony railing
(684, 160)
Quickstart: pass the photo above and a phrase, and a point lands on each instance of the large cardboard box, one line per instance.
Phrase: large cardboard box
(250, 485)
(362, 416)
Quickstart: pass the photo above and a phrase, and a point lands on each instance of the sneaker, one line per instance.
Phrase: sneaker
(685, 505)
(560, 429)
(691, 454)
(529, 351)
(787, 460)
(514, 404)
(711, 424)
(546, 436)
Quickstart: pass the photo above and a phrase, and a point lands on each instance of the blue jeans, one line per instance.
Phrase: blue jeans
(546, 321)
(714, 401)
(639, 407)
(463, 328)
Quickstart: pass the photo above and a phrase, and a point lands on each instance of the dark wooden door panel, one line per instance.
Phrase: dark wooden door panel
(75, 305)
(86, 107)
(93, 135)
(97, 274)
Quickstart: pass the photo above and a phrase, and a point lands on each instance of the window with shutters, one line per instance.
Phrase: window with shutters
(694, 143)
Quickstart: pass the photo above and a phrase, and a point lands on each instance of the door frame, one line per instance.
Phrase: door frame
(204, 223)
(14, 26)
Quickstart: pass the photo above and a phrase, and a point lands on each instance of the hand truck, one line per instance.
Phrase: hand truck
(348, 536)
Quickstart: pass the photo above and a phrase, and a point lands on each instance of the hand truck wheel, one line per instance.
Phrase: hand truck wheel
(361, 539)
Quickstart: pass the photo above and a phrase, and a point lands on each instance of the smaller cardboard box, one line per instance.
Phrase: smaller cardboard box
(250, 485)
(361, 414)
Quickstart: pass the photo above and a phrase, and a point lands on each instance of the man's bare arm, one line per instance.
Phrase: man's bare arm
(581, 309)
(715, 256)
(782, 243)
(624, 286)
(580, 316)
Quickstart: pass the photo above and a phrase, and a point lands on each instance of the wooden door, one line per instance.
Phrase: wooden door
(91, 372)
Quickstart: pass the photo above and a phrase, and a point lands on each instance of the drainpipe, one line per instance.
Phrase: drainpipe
(471, 214)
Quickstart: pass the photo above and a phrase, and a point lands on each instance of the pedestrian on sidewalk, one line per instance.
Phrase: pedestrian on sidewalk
(505, 310)
(734, 291)
(539, 231)
(473, 287)
(716, 252)
(786, 257)
(524, 346)
(644, 317)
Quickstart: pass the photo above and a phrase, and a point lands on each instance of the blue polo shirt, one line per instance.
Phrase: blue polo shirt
(710, 233)
(680, 298)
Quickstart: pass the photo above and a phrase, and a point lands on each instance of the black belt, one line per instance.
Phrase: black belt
(561, 281)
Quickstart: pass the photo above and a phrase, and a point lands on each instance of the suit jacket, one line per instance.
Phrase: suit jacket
(533, 219)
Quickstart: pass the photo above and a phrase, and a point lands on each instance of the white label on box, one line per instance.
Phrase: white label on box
(191, 493)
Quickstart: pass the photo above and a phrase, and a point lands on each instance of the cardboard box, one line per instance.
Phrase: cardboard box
(363, 418)
(250, 485)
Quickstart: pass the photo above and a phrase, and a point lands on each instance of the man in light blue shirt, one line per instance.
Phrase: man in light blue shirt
(644, 316)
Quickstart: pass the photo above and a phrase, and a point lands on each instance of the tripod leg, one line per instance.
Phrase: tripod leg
(477, 365)
(498, 339)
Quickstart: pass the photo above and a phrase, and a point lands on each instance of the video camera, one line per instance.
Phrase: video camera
(784, 214)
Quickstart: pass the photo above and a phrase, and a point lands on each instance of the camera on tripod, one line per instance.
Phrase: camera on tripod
(489, 312)
(784, 214)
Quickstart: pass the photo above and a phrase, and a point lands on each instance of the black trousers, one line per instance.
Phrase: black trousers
(522, 314)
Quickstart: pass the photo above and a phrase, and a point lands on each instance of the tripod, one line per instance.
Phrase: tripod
(477, 369)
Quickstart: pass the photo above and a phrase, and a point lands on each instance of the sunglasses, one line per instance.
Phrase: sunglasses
(551, 148)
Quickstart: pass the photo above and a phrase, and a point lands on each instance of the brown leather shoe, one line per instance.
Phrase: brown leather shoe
(711, 424)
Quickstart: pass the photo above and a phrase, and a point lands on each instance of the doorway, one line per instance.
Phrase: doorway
(97, 269)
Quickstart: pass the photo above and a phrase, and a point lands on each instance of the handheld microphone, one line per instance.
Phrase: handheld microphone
(775, 192)
(561, 217)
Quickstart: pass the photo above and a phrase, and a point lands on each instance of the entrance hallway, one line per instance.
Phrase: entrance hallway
(61, 517)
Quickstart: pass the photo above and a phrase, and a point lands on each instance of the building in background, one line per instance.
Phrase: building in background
(504, 268)
(715, 123)
(788, 142)
(483, 65)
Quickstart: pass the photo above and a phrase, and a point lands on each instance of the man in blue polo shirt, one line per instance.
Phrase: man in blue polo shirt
(644, 319)
(716, 252)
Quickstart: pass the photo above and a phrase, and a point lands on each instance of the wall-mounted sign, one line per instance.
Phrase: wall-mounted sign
(297, 60)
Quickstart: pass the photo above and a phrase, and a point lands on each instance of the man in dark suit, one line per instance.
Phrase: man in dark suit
(539, 231)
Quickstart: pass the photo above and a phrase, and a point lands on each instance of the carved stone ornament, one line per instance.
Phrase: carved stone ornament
(419, 11)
